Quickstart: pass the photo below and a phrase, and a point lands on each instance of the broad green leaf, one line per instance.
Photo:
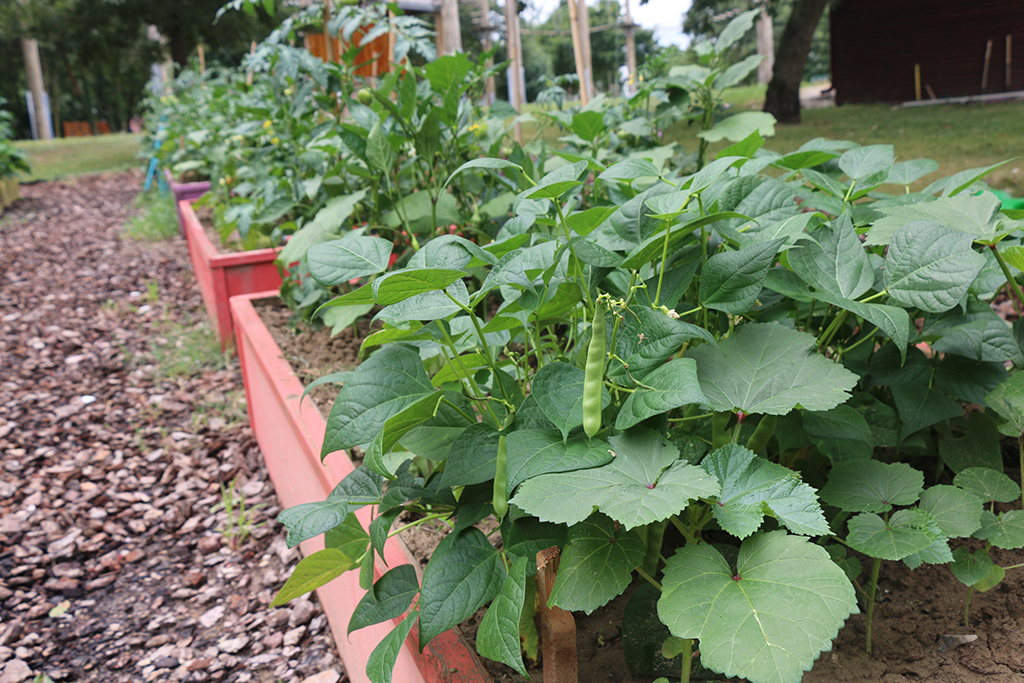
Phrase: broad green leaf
(554, 184)
(645, 482)
(732, 280)
(313, 572)
(922, 406)
(587, 124)
(752, 486)
(746, 147)
(559, 391)
(596, 564)
(384, 385)
(735, 29)
(872, 486)
(995, 576)
(652, 246)
(978, 447)
(806, 159)
(1003, 531)
(532, 452)
(971, 215)
(735, 73)
(495, 164)
(970, 568)
(525, 536)
(863, 162)
(770, 369)
(378, 150)
(834, 260)
(630, 169)
(744, 618)
(936, 553)
(472, 456)
(498, 636)
(930, 266)
(408, 282)
(841, 433)
(396, 426)
(980, 335)
(1014, 256)
(328, 219)
(672, 385)
(427, 306)
(962, 180)
(957, 512)
(906, 532)
(390, 596)
(988, 484)
(360, 487)
(968, 380)
(451, 252)
(906, 172)
(1008, 400)
(739, 126)
(381, 662)
(463, 575)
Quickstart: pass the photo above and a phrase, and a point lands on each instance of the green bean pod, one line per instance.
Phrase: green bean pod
(765, 430)
(594, 377)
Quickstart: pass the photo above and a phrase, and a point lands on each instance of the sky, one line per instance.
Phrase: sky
(664, 17)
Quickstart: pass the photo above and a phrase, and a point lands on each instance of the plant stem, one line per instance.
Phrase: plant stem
(664, 257)
(1010, 280)
(871, 600)
(647, 577)
(687, 655)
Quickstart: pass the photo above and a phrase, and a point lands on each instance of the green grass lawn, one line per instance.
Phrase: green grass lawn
(75, 156)
(956, 136)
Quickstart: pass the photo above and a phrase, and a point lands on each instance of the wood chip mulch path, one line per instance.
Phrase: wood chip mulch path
(120, 423)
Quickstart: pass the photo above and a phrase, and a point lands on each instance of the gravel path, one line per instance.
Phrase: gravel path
(120, 424)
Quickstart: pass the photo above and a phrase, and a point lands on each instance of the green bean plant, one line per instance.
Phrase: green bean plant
(654, 370)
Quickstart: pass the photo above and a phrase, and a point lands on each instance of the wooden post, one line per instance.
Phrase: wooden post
(632, 81)
(484, 7)
(252, 51)
(1009, 52)
(765, 46)
(984, 71)
(328, 40)
(557, 627)
(34, 76)
(515, 67)
(583, 16)
(917, 81)
(202, 60)
(577, 51)
(449, 35)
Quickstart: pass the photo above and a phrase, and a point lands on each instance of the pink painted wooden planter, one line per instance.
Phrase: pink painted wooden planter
(185, 192)
(222, 276)
(290, 436)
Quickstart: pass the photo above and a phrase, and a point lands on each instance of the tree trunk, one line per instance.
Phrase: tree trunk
(783, 96)
(34, 76)
(178, 41)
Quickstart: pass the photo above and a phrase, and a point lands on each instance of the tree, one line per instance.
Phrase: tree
(782, 98)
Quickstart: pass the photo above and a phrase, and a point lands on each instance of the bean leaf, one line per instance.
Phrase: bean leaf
(596, 564)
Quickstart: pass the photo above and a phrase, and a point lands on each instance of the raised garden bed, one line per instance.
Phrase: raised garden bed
(290, 436)
(222, 276)
(185, 192)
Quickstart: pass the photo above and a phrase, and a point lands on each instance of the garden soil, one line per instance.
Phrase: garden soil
(120, 422)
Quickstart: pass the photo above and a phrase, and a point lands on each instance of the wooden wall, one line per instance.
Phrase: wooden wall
(876, 43)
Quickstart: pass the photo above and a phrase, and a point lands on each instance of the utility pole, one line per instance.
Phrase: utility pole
(515, 56)
(632, 79)
(34, 76)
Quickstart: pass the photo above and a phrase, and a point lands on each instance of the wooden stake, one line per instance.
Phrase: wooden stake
(515, 67)
(984, 71)
(1009, 60)
(557, 627)
(633, 80)
(328, 40)
(202, 60)
(917, 82)
(577, 51)
(931, 93)
(583, 17)
(484, 7)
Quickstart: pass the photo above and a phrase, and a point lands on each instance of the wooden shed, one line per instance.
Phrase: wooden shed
(877, 43)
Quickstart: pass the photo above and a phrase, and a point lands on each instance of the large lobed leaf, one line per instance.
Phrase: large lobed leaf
(770, 618)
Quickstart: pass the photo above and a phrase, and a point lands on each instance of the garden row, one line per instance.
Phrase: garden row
(748, 381)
